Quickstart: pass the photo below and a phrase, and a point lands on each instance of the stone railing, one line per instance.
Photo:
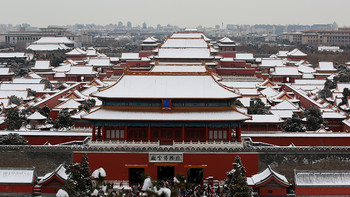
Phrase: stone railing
(174, 145)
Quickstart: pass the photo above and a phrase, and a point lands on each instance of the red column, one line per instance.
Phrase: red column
(238, 134)
(206, 133)
(183, 133)
(98, 132)
(229, 137)
(126, 133)
(93, 133)
(149, 133)
(103, 133)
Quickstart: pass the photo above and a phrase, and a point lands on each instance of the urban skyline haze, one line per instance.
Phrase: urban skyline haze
(183, 13)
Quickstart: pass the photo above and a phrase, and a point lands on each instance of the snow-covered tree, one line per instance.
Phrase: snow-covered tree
(63, 119)
(12, 119)
(13, 139)
(258, 107)
(87, 104)
(293, 124)
(79, 182)
(313, 119)
(236, 180)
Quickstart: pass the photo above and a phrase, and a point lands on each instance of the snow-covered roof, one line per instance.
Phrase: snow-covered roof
(42, 64)
(34, 75)
(266, 118)
(326, 66)
(282, 54)
(269, 92)
(342, 86)
(130, 56)
(178, 68)
(89, 90)
(265, 175)
(333, 115)
(91, 52)
(54, 40)
(47, 47)
(285, 104)
(60, 172)
(5, 71)
(244, 56)
(246, 101)
(76, 52)
(248, 91)
(36, 116)
(296, 53)
(79, 114)
(18, 93)
(165, 86)
(150, 40)
(226, 40)
(242, 84)
(112, 114)
(189, 35)
(99, 61)
(17, 175)
(81, 70)
(271, 62)
(22, 86)
(182, 53)
(185, 43)
(306, 69)
(322, 178)
(26, 80)
(13, 55)
(286, 71)
(282, 113)
(70, 104)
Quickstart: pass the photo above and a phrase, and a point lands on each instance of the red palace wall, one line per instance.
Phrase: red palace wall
(304, 141)
(227, 54)
(215, 164)
(322, 191)
(16, 188)
(137, 63)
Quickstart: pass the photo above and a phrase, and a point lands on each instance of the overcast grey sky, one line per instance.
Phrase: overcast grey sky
(185, 13)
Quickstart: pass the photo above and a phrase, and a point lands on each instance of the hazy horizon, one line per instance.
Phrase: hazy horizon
(190, 13)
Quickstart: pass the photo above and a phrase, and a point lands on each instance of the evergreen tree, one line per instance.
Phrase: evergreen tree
(12, 119)
(63, 120)
(45, 111)
(48, 84)
(257, 107)
(13, 139)
(293, 124)
(236, 181)
(238, 103)
(87, 104)
(79, 182)
(15, 100)
(346, 94)
(313, 119)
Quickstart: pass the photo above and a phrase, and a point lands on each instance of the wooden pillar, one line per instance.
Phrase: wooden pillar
(238, 134)
(206, 133)
(126, 133)
(183, 133)
(229, 137)
(149, 133)
(103, 133)
(93, 133)
(98, 132)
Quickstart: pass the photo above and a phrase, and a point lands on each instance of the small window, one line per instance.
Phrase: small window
(166, 104)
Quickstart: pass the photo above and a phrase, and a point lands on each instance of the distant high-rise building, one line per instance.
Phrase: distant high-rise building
(144, 25)
(129, 24)
(120, 24)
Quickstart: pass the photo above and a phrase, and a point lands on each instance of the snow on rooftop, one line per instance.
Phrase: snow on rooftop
(150, 40)
(286, 71)
(54, 40)
(178, 68)
(226, 40)
(162, 86)
(296, 53)
(266, 118)
(242, 84)
(111, 114)
(18, 93)
(26, 80)
(76, 52)
(5, 71)
(81, 70)
(99, 61)
(184, 43)
(265, 175)
(47, 47)
(70, 104)
(22, 86)
(271, 62)
(282, 54)
(181, 53)
(17, 176)
(326, 66)
(130, 56)
(42, 64)
(189, 35)
(246, 100)
(282, 113)
(13, 55)
(244, 56)
(322, 178)
(306, 69)
(269, 92)
(285, 104)
(36, 116)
